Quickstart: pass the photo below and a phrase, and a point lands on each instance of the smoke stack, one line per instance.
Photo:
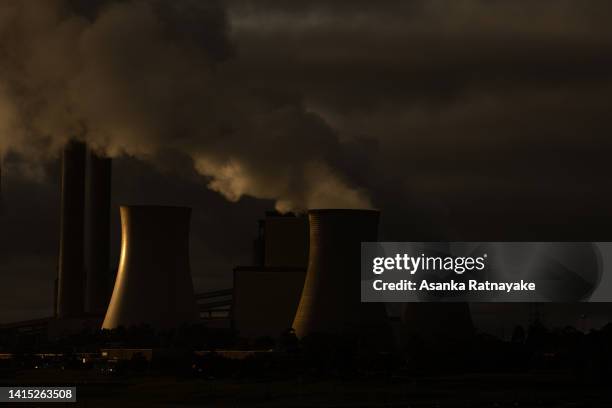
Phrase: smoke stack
(153, 284)
(331, 298)
(98, 233)
(1, 199)
(71, 279)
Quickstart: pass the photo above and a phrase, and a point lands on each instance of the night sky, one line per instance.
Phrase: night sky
(458, 119)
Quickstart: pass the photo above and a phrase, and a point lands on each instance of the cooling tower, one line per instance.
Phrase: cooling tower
(331, 298)
(98, 233)
(71, 272)
(153, 284)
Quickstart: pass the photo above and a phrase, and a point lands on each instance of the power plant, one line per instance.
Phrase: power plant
(331, 297)
(153, 284)
(305, 273)
(280, 260)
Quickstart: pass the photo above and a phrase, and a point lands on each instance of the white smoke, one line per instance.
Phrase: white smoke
(139, 77)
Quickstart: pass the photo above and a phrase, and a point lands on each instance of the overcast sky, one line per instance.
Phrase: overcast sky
(459, 119)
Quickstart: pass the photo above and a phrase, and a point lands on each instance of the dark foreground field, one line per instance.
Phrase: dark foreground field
(498, 390)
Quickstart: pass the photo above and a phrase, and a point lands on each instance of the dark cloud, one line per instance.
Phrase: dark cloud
(475, 107)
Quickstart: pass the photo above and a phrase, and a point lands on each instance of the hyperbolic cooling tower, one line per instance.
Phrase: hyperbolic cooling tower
(98, 233)
(71, 273)
(153, 284)
(331, 298)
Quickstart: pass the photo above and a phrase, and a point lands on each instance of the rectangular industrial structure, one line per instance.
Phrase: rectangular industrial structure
(265, 300)
(266, 295)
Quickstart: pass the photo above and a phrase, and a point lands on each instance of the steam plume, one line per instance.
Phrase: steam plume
(137, 77)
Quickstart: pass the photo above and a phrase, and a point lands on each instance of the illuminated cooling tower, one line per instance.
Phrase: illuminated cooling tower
(153, 285)
(331, 298)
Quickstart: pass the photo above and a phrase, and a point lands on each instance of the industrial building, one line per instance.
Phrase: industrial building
(305, 271)
(280, 257)
(265, 300)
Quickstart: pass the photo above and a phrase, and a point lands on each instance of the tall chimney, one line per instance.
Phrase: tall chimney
(71, 279)
(331, 298)
(98, 233)
(153, 284)
(1, 185)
